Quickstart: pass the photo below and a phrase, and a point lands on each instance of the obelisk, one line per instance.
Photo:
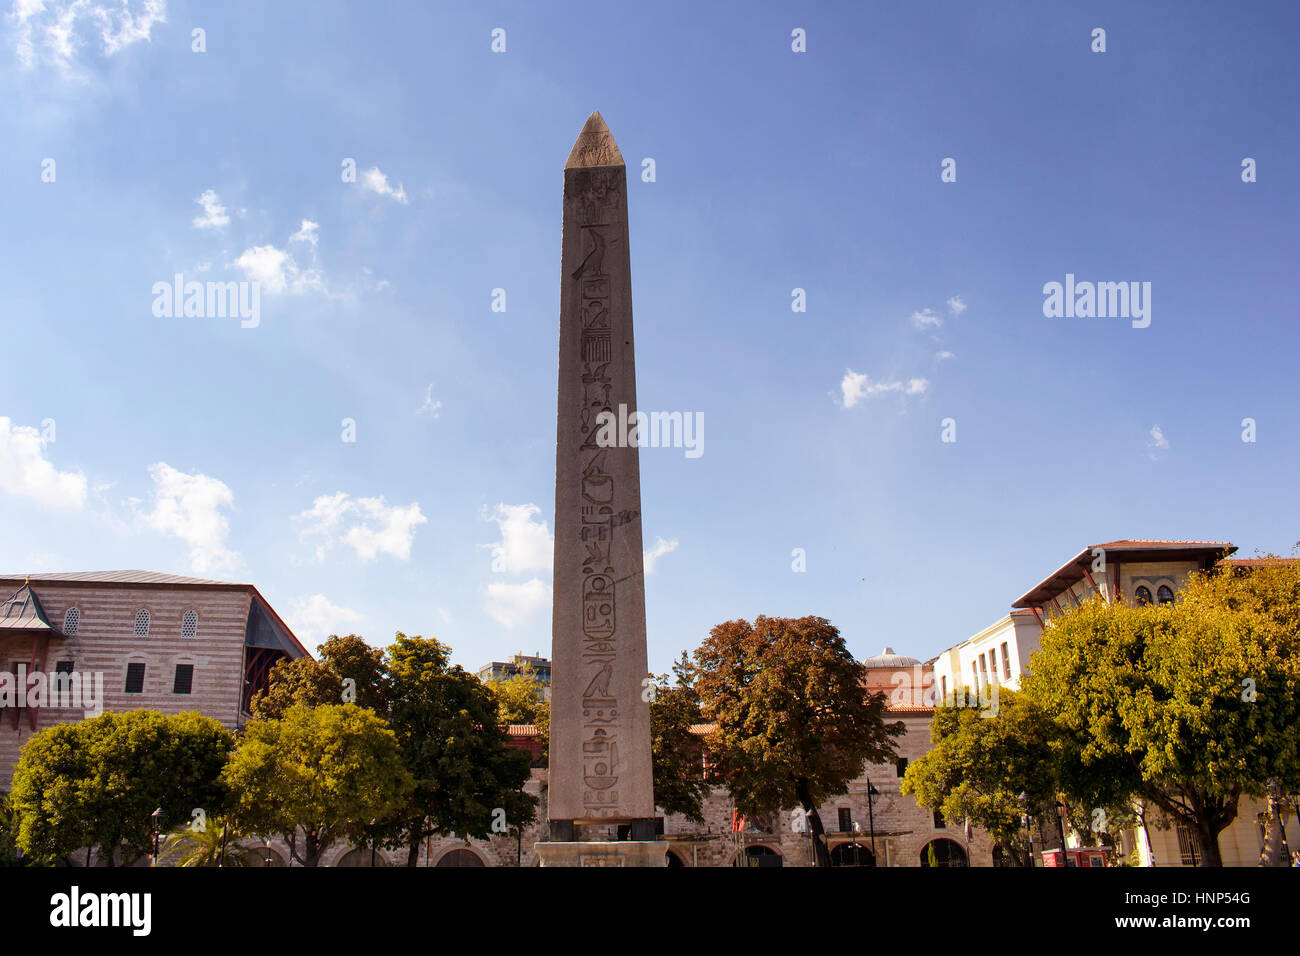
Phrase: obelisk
(600, 773)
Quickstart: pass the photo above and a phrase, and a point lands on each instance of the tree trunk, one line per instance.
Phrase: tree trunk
(413, 849)
(821, 854)
(1208, 838)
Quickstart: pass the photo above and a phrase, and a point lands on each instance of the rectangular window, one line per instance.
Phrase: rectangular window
(134, 678)
(974, 675)
(939, 823)
(1006, 662)
(846, 820)
(943, 684)
(184, 679)
(1187, 847)
(63, 676)
(902, 766)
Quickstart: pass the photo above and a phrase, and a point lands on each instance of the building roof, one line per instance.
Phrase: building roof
(1257, 562)
(23, 612)
(1125, 549)
(118, 577)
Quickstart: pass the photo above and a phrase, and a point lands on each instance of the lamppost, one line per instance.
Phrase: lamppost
(1024, 808)
(871, 817)
(1060, 824)
(156, 818)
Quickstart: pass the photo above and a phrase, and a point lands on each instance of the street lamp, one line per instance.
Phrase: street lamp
(156, 819)
(871, 816)
(1060, 823)
(1024, 809)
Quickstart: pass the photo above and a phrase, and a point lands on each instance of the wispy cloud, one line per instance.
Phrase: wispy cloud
(375, 181)
(430, 407)
(309, 232)
(856, 386)
(214, 213)
(315, 618)
(370, 526)
(1157, 442)
(526, 543)
(189, 507)
(277, 271)
(661, 547)
(956, 305)
(926, 319)
(59, 31)
(512, 604)
(26, 472)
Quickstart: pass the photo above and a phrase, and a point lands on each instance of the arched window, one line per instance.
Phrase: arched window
(1144, 595)
(943, 852)
(1164, 595)
(142, 623)
(460, 858)
(852, 854)
(190, 624)
(71, 620)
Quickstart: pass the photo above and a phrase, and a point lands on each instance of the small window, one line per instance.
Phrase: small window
(846, 820)
(939, 823)
(1006, 662)
(943, 686)
(1188, 849)
(902, 766)
(1164, 595)
(184, 679)
(190, 624)
(1144, 595)
(134, 678)
(71, 620)
(142, 623)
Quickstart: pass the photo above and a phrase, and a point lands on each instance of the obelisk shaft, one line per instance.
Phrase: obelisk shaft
(600, 770)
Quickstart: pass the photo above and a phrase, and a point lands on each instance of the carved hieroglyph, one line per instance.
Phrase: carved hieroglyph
(600, 725)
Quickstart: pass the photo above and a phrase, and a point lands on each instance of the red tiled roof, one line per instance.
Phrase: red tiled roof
(1157, 542)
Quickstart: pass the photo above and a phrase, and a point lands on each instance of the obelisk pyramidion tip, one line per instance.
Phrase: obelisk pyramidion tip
(595, 146)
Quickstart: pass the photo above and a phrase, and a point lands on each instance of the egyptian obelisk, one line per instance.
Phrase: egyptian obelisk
(600, 773)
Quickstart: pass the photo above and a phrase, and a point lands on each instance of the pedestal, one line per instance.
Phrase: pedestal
(608, 853)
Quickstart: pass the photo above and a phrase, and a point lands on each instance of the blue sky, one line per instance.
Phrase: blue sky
(194, 445)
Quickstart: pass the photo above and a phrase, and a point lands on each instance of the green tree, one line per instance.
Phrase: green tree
(312, 683)
(96, 783)
(330, 770)
(9, 855)
(795, 723)
(680, 784)
(521, 699)
(448, 724)
(1187, 706)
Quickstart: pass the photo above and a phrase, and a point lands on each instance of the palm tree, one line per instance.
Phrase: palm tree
(215, 845)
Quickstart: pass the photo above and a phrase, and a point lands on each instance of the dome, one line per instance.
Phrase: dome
(887, 658)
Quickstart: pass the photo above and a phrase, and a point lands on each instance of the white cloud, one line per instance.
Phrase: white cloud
(315, 618)
(277, 271)
(375, 181)
(526, 543)
(857, 386)
(945, 354)
(56, 30)
(660, 548)
(430, 406)
(369, 526)
(214, 213)
(26, 473)
(189, 507)
(309, 232)
(512, 604)
(956, 305)
(1158, 440)
(926, 319)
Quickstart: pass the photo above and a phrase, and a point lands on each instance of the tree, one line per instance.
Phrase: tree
(448, 724)
(9, 855)
(680, 784)
(313, 683)
(216, 844)
(96, 783)
(1187, 706)
(521, 700)
(795, 723)
(330, 770)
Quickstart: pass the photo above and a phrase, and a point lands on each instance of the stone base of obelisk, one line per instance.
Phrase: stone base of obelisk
(607, 853)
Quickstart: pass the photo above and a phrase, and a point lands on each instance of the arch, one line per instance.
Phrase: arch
(852, 854)
(758, 854)
(1143, 594)
(71, 621)
(142, 622)
(1165, 594)
(460, 857)
(190, 624)
(674, 859)
(361, 857)
(944, 852)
